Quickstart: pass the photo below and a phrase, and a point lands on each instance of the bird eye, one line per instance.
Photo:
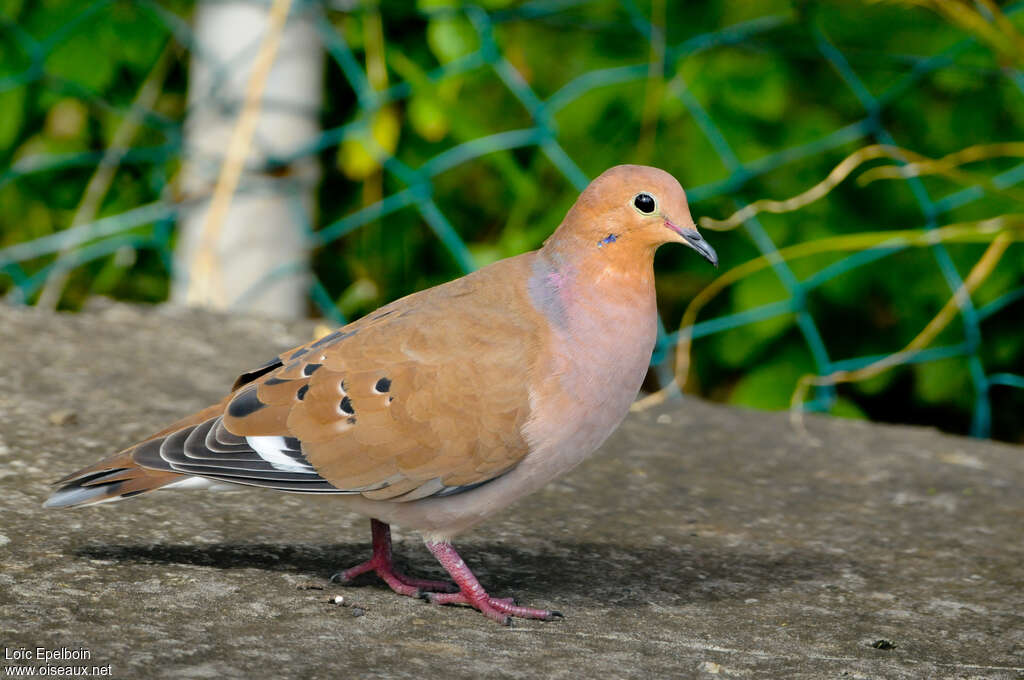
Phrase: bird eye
(645, 203)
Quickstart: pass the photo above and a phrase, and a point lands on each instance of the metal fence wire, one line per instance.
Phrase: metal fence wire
(31, 261)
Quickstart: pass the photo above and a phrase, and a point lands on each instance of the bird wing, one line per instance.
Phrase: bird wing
(426, 396)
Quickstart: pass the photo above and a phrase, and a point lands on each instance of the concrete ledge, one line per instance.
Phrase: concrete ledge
(700, 541)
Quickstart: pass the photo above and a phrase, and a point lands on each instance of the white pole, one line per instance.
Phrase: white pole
(245, 248)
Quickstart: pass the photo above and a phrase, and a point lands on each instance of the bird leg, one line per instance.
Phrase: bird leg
(472, 593)
(381, 563)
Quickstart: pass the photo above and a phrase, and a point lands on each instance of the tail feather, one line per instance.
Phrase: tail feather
(119, 476)
(111, 479)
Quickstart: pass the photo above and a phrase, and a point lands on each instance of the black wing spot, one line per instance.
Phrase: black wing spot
(383, 385)
(346, 407)
(245, 404)
(299, 353)
(275, 381)
(301, 393)
(310, 369)
(352, 420)
(129, 494)
(249, 376)
(331, 338)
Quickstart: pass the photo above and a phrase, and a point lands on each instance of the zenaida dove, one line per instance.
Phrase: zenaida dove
(444, 407)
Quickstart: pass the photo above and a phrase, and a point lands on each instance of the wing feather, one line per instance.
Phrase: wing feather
(410, 402)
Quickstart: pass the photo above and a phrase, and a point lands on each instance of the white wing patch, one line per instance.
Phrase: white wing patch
(190, 483)
(272, 449)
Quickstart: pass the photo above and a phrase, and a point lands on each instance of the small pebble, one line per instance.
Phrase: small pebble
(358, 611)
(883, 644)
(664, 419)
(337, 599)
(63, 417)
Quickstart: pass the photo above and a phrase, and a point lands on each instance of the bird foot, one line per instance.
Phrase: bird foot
(500, 609)
(466, 589)
(472, 593)
(396, 580)
(382, 564)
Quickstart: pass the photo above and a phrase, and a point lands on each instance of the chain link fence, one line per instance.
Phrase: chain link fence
(450, 136)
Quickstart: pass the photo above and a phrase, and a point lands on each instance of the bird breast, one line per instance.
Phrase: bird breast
(583, 388)
(601, 328)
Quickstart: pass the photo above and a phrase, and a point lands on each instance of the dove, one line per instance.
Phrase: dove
(444, 407)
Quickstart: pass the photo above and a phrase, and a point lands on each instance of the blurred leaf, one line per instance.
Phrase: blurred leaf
(769, 386)
(76, 60)
(844, 408)
(357, 159)
(41, 145)
(428, 117)
(957, 82)
(113, 270)
(357, 297)
(132, 35)
(484, 254)
(12, 103)
(451, 37)
(67, 119)
(943, 381)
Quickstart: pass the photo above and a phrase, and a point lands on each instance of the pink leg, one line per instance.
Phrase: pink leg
(382, 564)
(472, 593)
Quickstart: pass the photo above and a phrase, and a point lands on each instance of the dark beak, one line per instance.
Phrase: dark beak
(697, 242)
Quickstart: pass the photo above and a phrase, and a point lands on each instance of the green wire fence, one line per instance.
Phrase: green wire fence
(412, 183)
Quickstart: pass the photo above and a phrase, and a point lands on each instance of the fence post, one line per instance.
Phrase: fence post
(255, 252)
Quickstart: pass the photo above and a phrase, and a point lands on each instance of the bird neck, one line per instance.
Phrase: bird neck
(607, 261)
(575, 276)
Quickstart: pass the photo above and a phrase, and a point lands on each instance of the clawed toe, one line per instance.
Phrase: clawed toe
(396, 580)
(340, 578)
(501, 609)
(427, 585)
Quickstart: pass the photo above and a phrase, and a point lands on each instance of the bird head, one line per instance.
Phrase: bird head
(636, 206)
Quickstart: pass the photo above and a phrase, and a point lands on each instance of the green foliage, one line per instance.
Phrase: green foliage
(769, 384)
(69, 71)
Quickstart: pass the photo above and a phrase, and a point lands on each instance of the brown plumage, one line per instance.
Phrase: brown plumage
(445, 406)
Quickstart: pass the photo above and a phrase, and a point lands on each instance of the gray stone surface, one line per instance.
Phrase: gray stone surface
(700, 541)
